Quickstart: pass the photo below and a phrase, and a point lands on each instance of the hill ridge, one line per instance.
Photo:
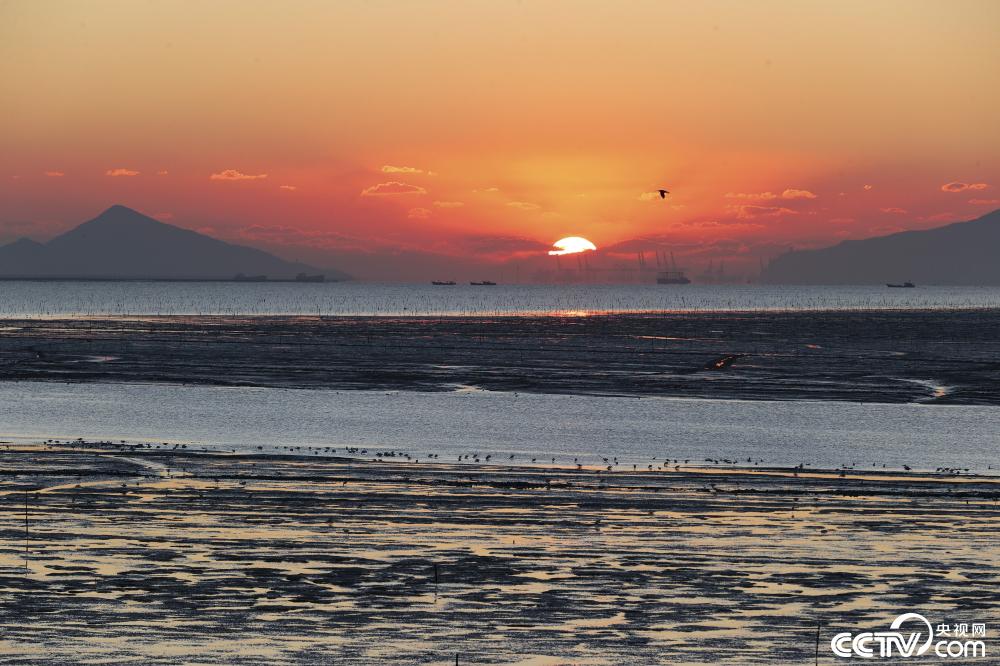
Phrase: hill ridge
(959, 253)
(122, 243)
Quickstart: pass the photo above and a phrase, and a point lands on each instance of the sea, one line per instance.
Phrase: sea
(45, 298)
(534, 429)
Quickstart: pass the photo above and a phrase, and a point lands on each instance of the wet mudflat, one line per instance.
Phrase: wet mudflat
(165, 556)
(877, 356)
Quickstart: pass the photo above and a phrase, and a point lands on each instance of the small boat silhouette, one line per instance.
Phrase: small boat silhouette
(484, 283)
(905, 285)
(443, 283)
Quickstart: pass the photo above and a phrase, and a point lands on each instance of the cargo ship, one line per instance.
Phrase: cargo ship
(671, 274)
(672, 277)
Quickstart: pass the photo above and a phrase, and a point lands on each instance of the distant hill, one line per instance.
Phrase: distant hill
(963, 253)
(121, 243)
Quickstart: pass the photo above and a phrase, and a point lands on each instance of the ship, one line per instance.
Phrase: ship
(443, 283)
(666, 272)
(305, 277)
(905, 285)
(671, 274)
(484, 283)
(672, 277)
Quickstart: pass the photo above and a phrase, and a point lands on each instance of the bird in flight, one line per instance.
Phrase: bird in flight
(664, 193)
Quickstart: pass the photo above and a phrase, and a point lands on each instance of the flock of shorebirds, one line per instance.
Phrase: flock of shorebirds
(607, 463)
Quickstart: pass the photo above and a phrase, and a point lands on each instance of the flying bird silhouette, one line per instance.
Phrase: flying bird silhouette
(663, 193)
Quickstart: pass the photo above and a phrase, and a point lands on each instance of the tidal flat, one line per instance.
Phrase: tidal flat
(889, 356)
(119, 553)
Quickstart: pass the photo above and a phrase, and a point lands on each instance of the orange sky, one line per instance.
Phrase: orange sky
(348, 133)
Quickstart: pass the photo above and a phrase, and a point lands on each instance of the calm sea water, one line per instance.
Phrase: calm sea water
(822, 434)
(76, 298)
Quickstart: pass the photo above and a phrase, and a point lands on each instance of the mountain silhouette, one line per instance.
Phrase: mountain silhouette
(963, 253)
(121, 243)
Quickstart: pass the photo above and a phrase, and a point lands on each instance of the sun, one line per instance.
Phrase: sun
(571, 245)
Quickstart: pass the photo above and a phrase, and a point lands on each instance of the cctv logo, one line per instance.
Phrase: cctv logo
(913, 641)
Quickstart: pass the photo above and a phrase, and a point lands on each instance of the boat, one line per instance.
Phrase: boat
(672, 277)
(484, 283)
(671, 274)
(305, 277)
(443, 283)
(905, 285)
(240, 277)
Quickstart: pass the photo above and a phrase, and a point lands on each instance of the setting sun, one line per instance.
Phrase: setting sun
(571, 245)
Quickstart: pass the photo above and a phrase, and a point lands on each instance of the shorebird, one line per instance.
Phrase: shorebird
(663, 193)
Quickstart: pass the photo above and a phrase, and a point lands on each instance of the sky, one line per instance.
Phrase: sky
(414, 140)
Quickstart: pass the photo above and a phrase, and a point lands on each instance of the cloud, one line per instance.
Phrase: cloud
(768, 196)
(961, 187)
(448, 204)
(54, 174)
(886, 229)
(763, 196)
(726, 247)
(418, 213)
(652, 196)
(894, 210)
(292, 236)
(388, 168)
(709, 226)
(393, 187)
(941, 217)
(233, 174)
(984, 202)
(868, 187)
(162, 172)
(750, 211)
(120, 172)
(488, 189)
(523, 205)
(797, 194)
(500, 245)
(290, 188)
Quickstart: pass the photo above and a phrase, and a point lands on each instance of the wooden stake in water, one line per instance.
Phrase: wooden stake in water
(817, 644)
(25, 530)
